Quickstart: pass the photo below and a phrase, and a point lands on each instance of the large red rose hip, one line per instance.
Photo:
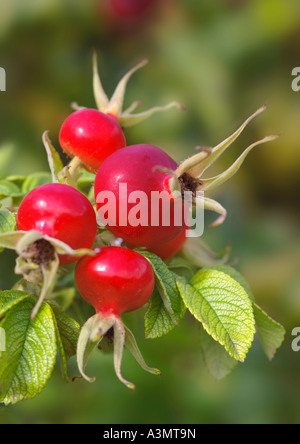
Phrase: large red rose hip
(133, 196)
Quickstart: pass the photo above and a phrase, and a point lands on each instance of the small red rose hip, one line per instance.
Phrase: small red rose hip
(62, 212)
(114, 281)
(92, 136)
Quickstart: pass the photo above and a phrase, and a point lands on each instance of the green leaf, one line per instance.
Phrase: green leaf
(7, 222)
(69, 330)
(86, 178)
(30, 355)
(6, 202)
(10, 298)
(9, 189)
(166, 286)
(158, 322)
(216, 358)
(271, 333)
(236, 275)
(17, 179)
(181, 267)
(67, 333)
(35, 180)
(223, 307)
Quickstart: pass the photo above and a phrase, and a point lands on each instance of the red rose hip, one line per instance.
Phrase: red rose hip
(114, 281)
(62, 212)
(92, 136)
(134, 199)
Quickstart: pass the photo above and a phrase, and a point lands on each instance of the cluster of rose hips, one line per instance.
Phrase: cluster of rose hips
(114, 278)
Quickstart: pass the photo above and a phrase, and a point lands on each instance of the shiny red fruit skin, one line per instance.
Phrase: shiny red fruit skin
(138, 166)
(168, 250)
(114, 281)
(92, 136)
(61, 212)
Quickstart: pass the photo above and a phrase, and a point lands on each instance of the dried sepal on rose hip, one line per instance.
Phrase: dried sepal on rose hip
(189, 174)
(38, 259)
(92, 135)
(114, 281)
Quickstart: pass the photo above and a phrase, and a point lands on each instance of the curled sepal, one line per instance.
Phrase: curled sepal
(128, 119)
(21, 240)
(69, 174)
(54, 160)
(38, 259)
(101, 98)
(90, 335)
(198, 253)
(116, 103)
(197, 164)
(119, 343)
(114, 106)
(210, 204)
(130, 343)
(49, 274)
(189, 173)
(210, 184)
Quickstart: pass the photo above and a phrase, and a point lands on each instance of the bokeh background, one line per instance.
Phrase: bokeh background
(222, 59)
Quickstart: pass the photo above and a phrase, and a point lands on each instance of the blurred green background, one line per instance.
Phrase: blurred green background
(222, 59)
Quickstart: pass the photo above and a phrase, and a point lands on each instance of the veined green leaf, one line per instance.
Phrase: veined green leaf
(10, 298)
(166, 286)
(216, 358)
(30, 354)
(7, 222)
(67, 333)
(223, 307)
(236, 275)
(157, 320)
(270, 332)
(69, 330)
